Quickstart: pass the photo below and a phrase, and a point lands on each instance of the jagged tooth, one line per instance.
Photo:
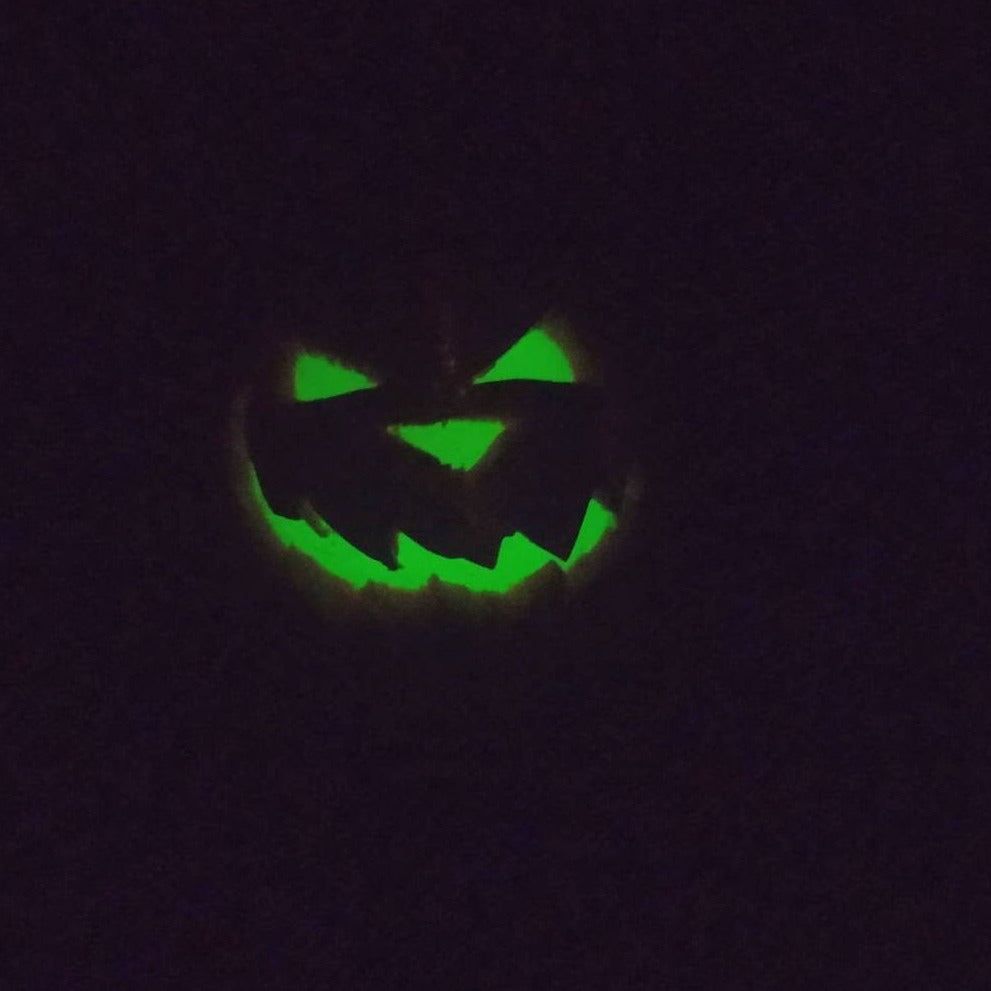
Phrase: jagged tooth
(381, 547)
(555, 526)
(483, 549)
(281, 498)
(371, 539)
(436, 538)
(274, 467)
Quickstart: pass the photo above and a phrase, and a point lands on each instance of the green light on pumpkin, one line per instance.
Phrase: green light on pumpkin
(318, 377)
(519, 558)
(455, 443)
(536, 355)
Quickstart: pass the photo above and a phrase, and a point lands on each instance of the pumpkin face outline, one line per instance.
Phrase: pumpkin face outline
(318, 549)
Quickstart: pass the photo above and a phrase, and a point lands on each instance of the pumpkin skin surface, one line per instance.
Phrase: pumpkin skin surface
(478, 482)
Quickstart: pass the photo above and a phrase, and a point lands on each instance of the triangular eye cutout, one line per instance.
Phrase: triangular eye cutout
(316, 376)
(536, 355)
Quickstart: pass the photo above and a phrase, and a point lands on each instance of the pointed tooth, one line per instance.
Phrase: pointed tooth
(435, 537)
(554, 527)
(374, 540)
(282, 499)
(483, 549)
(381, 547)
(274, 469)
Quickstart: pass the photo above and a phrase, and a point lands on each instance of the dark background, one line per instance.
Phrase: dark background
(747, 757)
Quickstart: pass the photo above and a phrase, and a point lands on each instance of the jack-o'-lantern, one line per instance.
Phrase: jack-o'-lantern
(498, 473)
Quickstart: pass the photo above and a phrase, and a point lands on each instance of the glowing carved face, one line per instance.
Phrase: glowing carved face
(481, 489)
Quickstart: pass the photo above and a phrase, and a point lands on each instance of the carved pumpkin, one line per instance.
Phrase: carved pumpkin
(495, 473)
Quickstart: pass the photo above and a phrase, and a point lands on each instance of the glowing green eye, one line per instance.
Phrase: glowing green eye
(536, 355)
(318, 377)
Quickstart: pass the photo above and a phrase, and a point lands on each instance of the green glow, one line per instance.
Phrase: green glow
(318, 377)
(519, 558)
(455, 443)
(536, 355)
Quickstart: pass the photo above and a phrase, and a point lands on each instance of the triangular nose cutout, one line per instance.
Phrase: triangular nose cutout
(455, 443)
